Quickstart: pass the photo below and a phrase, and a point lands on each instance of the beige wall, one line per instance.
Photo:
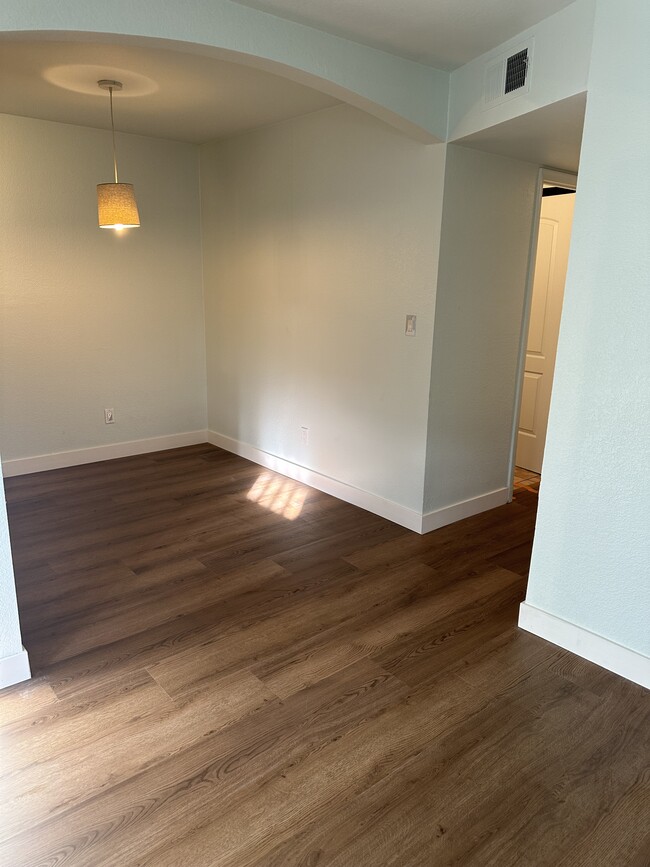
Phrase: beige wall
(88, 318)
(319, 235)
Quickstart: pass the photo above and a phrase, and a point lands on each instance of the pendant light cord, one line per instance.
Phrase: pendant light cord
(110, 91)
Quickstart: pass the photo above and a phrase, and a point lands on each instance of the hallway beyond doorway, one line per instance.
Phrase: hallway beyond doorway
(526, 479)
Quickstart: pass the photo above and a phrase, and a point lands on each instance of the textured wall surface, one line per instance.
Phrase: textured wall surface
(484, 251)
(591, 559)
(319, 236)
(89, 318)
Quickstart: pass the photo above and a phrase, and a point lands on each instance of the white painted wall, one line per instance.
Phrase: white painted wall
(559, 69)
(319, 235)
(10, 643)
(484, 251)
(89, 318)
(591, 558)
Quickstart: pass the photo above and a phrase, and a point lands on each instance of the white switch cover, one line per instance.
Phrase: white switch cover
(410, 324)
(304, 435)
(109, 416)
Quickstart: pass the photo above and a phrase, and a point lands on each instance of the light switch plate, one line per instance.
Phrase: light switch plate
(410, 324)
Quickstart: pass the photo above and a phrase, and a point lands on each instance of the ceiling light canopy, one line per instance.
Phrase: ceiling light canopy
(116, 204)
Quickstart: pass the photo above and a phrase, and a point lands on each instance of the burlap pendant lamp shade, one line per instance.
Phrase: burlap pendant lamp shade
(116, 206)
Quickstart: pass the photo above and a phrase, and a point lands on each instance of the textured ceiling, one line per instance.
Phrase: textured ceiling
(179, 96)
(440, 33)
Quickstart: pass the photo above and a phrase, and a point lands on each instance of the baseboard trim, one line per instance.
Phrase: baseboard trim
(465, 509)
(608, 654)
(58, 460)
(14, 669)
(395, 512)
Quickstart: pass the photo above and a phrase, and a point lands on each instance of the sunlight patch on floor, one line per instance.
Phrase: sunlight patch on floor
(279, 495)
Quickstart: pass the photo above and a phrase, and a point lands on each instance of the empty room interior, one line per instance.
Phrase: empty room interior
(324, 411)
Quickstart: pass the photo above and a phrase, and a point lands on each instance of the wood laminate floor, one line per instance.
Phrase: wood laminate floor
(235, 670)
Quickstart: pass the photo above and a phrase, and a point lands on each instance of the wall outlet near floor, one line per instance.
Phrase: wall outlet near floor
(109, 416)
(304, 435)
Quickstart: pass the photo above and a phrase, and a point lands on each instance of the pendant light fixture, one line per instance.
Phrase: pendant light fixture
(116, 205)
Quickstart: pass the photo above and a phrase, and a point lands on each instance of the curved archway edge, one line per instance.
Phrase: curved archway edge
(409, 96)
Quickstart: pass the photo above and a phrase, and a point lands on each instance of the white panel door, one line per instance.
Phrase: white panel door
(546, 310)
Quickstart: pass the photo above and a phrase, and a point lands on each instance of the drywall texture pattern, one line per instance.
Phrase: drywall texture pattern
(559, 67)
(484, 250)
(10, 642)
(319, 235)
(90, 318)
(591, 555)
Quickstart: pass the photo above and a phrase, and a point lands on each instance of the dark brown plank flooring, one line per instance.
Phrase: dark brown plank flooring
(232, 669)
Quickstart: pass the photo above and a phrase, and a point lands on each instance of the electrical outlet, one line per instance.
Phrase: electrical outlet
(304, 435)
(109, 416)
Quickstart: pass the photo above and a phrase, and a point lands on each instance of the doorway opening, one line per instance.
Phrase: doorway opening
(541, 325)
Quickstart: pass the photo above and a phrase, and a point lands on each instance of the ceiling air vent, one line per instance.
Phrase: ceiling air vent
(507, 75)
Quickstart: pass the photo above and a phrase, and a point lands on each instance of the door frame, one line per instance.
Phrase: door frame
(558, 178)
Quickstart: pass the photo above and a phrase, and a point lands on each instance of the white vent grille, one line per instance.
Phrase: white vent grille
(508, 75)
(494, 82)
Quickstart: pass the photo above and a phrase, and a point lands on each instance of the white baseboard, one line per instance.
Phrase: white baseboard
(608, 654)
(395, 512)
(465, 509)
(399, 514)
(58, 460)
(14, 669)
